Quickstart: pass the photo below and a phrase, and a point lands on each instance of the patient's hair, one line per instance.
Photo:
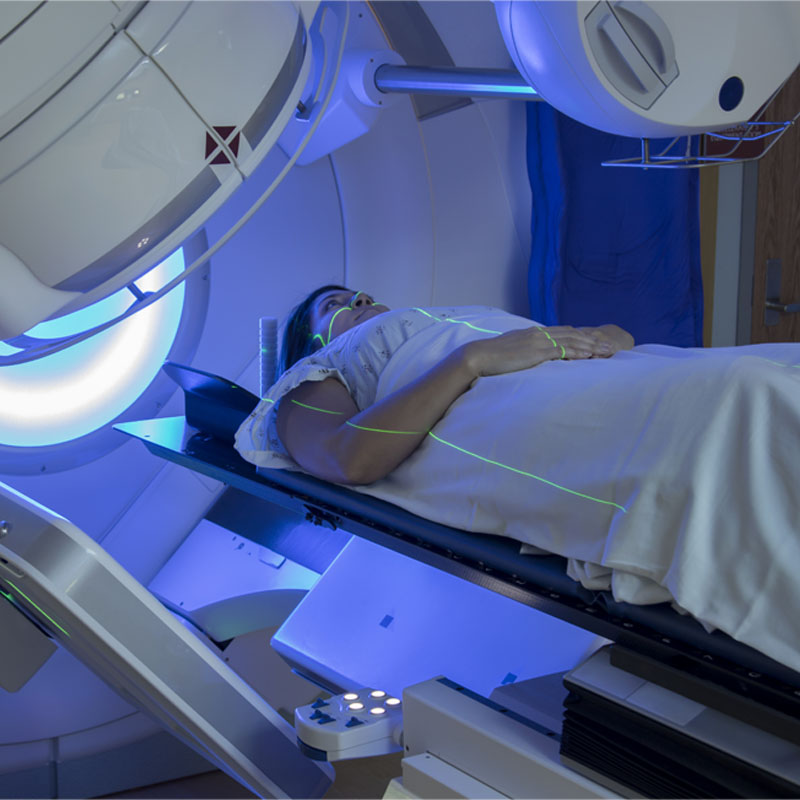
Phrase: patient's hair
(297, 341)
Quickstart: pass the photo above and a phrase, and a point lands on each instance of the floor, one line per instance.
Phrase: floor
(359, 779)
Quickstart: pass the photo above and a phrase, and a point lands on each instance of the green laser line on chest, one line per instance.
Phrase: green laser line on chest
(436, 319)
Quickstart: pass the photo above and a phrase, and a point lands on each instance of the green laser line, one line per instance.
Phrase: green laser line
(486, 330)
(455, 321)
(554, 343)
(380, 430)
(527, 474)
(438, 319)
(7, 596)
(40, 610)
(352, 424)
(467, 452)
(343, 308)
(314, 408)
(450, 444)
(330, 327)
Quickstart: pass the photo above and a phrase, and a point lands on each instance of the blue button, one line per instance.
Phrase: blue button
(353, 722)
(731, 93)
(324, 720)
(319, 703)
(317, 715)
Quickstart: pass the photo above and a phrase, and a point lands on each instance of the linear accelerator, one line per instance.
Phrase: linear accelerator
(120, 138)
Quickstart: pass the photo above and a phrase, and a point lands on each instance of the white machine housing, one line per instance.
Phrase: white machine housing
(653, 69)
(120, 134)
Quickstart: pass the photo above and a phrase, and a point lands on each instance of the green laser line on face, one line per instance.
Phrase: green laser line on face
(330, 327)
(466, 452)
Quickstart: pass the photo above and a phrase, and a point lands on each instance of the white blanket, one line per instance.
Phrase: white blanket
(691, 459)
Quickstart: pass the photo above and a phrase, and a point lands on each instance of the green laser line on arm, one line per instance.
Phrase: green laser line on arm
(468, 453)
(554, 343)
(314, 408)
(352, 424)
(381, 430)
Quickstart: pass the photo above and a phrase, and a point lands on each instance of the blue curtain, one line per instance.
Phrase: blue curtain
(611, 244)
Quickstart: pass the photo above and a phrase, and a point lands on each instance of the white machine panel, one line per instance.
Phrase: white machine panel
(230, 70)
(138, 149)
(29, 73)
(650, 69)
(377, 618)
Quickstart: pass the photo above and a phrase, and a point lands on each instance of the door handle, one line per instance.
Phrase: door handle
(773, 307)
(790, 308)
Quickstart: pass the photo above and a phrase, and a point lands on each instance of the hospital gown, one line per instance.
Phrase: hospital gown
(664, 474)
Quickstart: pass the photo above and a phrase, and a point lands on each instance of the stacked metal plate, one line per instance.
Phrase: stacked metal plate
(640, 738)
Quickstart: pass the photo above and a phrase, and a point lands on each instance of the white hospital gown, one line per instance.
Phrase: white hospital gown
(662, 473)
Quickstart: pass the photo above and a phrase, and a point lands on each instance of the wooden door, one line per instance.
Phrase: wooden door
(777, 236)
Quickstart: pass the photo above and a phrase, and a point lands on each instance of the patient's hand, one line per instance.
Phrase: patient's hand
(609, 339)
(529, 347)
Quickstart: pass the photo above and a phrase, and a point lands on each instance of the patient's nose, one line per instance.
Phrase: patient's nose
(361, 299)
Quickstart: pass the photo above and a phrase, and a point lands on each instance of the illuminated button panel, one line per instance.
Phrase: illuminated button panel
(351, 725)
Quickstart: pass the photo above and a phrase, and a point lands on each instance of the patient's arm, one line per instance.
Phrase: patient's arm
(321, 427)
(330, 446)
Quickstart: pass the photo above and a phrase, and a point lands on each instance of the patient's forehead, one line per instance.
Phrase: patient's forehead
(334, 293)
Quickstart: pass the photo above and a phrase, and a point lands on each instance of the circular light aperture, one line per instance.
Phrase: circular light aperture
(78, 390)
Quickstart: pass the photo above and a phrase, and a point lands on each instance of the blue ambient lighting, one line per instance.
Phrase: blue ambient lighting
(76, 391)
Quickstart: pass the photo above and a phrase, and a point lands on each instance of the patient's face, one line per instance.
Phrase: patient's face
(338, 311)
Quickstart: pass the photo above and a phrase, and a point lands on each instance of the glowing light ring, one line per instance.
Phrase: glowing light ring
(72, 393)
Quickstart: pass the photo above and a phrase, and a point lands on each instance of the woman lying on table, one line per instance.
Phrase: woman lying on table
(342, 447)
(652, 468)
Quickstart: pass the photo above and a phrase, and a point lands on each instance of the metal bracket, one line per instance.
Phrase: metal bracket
(319, 517)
